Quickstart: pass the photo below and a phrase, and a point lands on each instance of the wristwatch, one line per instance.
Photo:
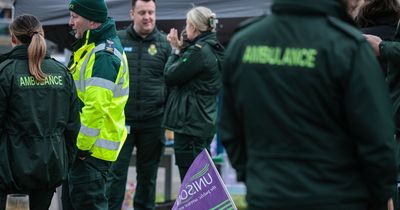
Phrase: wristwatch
(175, 51)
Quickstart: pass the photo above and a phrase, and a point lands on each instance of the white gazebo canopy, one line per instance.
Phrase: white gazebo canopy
(6, 4)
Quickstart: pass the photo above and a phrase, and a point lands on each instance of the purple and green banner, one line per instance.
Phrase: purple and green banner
(202, 188)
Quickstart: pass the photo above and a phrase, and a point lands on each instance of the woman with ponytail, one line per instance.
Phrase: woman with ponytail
(27, 30)
(39, 117)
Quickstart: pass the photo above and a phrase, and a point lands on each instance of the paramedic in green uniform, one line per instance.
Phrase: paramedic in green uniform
(306, 116)
(39, 117)
(193, 75)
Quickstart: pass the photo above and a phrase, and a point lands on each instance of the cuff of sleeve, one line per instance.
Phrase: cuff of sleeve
(381, 48)
(175, 51)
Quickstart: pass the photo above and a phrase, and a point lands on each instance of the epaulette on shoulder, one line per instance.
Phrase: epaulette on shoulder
(199, 46)
(5, 63)
(109, 47)
(250, 21)
(346, 28)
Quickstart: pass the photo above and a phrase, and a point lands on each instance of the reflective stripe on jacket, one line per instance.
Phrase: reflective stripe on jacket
(102, 129)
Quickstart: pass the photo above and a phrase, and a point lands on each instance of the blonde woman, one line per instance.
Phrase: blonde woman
(193, 74)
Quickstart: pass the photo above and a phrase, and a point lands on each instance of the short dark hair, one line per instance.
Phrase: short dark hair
(377, 8)
(134, 2)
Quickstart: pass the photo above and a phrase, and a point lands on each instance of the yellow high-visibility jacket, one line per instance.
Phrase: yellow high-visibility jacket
(100, 72)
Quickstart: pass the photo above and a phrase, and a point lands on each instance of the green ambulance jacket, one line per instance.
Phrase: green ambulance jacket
(194, 79)
(39, 123)
(306, 116)
(390, 52)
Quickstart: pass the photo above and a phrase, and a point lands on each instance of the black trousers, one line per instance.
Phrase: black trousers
(186, 149)
(149, 148)
(85, 187)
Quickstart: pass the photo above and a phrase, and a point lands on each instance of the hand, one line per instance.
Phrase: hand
(374, 41)
(390, 204)
(173, 39)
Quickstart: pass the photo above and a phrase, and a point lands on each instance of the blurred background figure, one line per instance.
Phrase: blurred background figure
(147, 51)
(39, 117)
(193, 74)
(6, 15)
(300, 111)
(379, 18)
(354, 6)
(384, 39)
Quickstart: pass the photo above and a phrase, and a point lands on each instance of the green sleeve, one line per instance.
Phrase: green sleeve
(390, 51)
(3, 100)
(5, 87)
(230, 125)
(368, 110)
(180, 69)
(73, 123)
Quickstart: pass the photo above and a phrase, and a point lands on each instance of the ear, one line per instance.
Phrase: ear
(14, 40)
(191, 27)
(131, 13)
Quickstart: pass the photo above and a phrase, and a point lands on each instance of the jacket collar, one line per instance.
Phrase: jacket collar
(333, 8)
(105, 31)
(207, 37)
(136, 36)
(18, 52)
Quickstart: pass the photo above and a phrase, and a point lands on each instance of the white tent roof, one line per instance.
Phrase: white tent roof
(6, 3)
(55, 12)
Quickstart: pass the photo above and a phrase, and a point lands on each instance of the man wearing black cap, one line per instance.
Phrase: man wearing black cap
(100, 72)
(306, 117)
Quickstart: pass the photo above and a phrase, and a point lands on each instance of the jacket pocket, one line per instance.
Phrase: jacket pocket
(175, 113)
